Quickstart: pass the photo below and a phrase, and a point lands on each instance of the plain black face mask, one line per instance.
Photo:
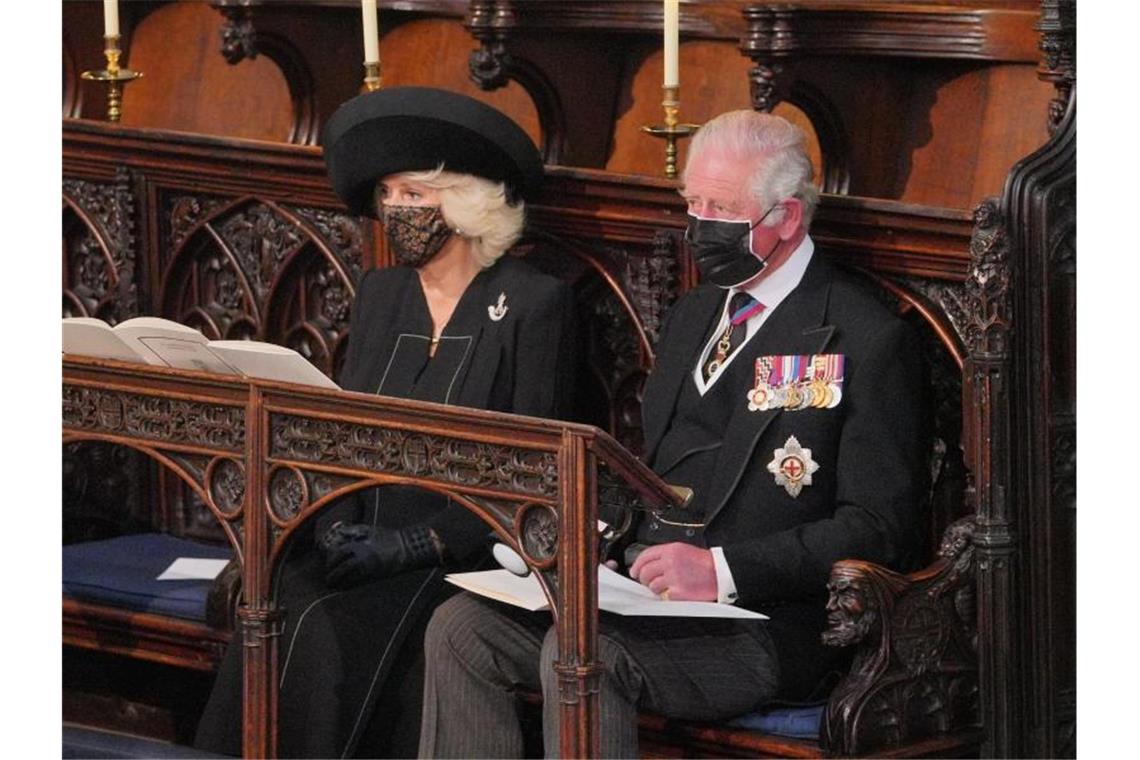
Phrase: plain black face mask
(723, 249)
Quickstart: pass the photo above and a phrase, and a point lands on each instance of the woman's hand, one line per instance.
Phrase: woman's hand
(355, 554)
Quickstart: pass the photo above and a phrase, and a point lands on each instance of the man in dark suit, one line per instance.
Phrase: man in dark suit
(789, 400)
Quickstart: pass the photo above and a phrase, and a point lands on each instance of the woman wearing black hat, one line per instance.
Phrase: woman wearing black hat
(456, 322)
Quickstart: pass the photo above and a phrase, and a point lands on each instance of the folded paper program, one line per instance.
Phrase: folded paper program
(616, 593)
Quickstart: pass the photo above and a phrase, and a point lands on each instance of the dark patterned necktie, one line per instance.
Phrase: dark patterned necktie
(741, 308)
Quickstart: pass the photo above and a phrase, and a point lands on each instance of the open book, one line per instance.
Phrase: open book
(616, 593)
(153, 340)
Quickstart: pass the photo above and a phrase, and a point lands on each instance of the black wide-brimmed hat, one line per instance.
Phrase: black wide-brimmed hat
(417, 128)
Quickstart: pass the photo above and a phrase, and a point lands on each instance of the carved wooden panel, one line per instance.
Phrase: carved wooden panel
(259, 270)
(1040, 211)
(249, 268)
(105, 488)
(153, 418)
(398, 452)
(915, 668)
(1058, 27)
(99, 249)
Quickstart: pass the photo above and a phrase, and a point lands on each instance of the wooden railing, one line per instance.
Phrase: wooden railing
(264, 457)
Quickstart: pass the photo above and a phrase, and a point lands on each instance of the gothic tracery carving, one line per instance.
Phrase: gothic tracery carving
(227, 486)
(262, 240)
(988, 285)
(400, 452)
(153, 417)
(102, 284)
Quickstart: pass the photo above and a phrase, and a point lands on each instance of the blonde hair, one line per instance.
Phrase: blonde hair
(477, 209)
(784, 169)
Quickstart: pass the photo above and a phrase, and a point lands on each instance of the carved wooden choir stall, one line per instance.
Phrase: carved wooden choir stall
(944, 141)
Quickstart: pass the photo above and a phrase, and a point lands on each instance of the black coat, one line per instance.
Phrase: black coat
(338, 692)
(865, 501)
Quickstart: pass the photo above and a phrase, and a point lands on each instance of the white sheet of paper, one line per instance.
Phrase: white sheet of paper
(616, 593)
(192, 569)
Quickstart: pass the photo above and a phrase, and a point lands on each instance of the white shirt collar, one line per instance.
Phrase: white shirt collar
(770, 291)
(774, 288)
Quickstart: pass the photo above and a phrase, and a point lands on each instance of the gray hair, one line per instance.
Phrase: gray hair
(477, 209)
(785, 169)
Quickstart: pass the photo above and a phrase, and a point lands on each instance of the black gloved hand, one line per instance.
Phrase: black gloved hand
(358, 553)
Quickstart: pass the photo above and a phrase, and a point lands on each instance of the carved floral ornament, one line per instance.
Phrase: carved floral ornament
(225, 478)
(988, 285)
(402, 452)
(153, 418)
(537, 529)
(106, 211)
(288, 493)
(263, 235)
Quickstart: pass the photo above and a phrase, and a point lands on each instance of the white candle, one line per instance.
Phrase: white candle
(672, 34)
(111, 18)
(371, 32)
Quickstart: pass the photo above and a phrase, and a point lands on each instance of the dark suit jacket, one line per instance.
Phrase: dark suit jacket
(864, 501)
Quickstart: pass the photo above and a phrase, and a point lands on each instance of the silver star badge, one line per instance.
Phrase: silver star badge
(793, 466)
(499, 309)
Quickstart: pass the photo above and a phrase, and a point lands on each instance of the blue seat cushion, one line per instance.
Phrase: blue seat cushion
(121, 572)
(90, 743)
(792, 722)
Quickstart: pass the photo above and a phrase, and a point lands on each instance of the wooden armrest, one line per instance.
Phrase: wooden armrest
(915, 673)
(221, 603)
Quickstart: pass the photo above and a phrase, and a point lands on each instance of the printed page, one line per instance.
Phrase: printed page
(182, 353)
(269, 361)
(94, 337)
(166, 343)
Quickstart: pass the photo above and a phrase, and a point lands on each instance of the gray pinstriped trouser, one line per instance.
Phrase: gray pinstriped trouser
(478, 651)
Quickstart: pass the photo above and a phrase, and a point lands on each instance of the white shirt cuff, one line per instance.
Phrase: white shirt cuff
(725, 586)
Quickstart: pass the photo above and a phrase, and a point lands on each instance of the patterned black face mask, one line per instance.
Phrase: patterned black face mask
(415, 233)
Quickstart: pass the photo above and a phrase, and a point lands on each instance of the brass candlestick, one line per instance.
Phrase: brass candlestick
(114, 76)
(671, 130)
(372, 76)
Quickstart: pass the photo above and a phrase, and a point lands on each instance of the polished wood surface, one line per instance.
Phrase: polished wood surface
(921, 103)
(536, 482)
(188, 86)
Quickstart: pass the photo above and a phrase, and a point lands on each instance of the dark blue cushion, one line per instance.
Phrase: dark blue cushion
(121, 572)
(793, 722)
(84, 742)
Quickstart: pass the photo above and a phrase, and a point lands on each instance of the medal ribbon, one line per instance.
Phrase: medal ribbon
(751, 308)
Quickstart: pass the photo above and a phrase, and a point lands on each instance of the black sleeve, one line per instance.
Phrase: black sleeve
(547, 357)
(363, 306)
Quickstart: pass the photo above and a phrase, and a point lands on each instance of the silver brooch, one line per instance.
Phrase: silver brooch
(793, 466)
(499, 309)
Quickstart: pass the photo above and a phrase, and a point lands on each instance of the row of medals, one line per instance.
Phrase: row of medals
(818, 393)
